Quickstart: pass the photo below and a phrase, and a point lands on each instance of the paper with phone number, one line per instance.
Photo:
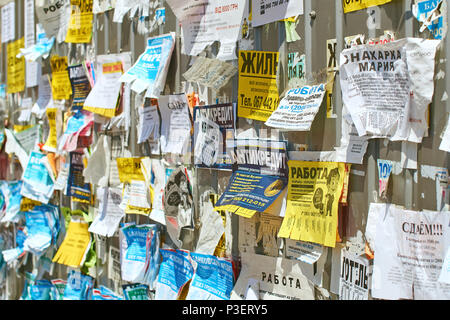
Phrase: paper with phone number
(266, 11)
(175, 124)
(107, 221)
(206, 21)
(15, 73)
(175, 271)
(212, 280)
(354, 5)
(73, 249)
(409, 249)
(38, 182)
(257, 90)
(150, 70)
(61, 87)
(80, 23)
(104, 97)
(314, 191)
(298, 108)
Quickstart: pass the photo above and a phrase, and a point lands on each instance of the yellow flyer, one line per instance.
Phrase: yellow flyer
(354, 5)
(314, 191)
(61, 87)
(15, 73)
(80, 23)
(51, 144)
(20, 128)
(28, 204)
(75, 245)
(257, 91)
(130, 169)
(106, 89)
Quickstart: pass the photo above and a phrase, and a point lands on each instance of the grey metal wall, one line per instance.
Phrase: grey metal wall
(322, 20)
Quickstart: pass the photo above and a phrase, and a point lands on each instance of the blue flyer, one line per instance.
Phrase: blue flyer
(212, 280)
(248, 193)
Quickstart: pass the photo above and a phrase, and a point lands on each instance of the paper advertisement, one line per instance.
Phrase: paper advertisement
(42, 228)
(295, 68)
(257, 91)
(15, 72)
(223, 115)
(278, 278)
(29, 138)
(248, 193)
(211, 230)
(61, 87)
(297, 109)
(175, 124)
(385, 89)
(266, 157)
(314, 191)
(129, 169)
(410, 247)
(80, 22)
(148, 125)
(175, 271)
(80, 86)
(32, 68)
(384, 171)
(352, 147)
(78, 132)
(110, 214)
(38, 181)
(103, 5)
(54, 117)
(207, 142)
(206, 21)
(355, 277)
(308, 252)
(50, 14)
(211, 73)
(13, 146)
(104, 97)
(150, 70)
(212, 280)
(44, 96)
(178, 203)
(37, 49)
(259, 234)
(73, 249)
(79, 286)
(431, 13)
(354, 5)
(77, 188)
(136, 198)
(136, 252)
(266, 11)
(136, 291)
(8, 22)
